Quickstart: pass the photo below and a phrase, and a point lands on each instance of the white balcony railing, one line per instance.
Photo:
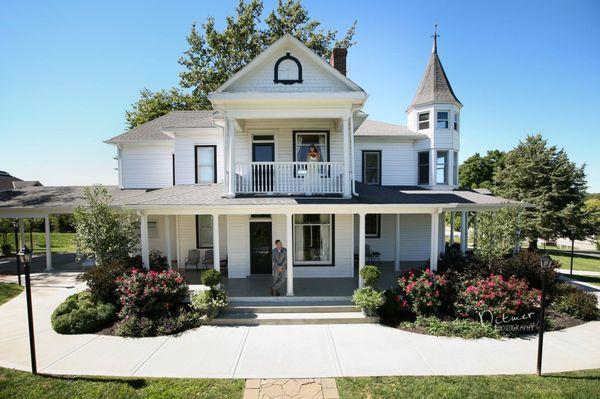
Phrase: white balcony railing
(304, 178)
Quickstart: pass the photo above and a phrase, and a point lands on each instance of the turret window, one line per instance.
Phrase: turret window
(424, 121)
(424, 167)
(442, 120)
(441, 167)
(456, 121)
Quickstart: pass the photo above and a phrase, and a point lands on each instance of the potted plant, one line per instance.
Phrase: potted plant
(370, 275)
(368, 299)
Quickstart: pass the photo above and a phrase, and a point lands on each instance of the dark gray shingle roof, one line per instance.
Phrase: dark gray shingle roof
(435, 86)
(376, 128)
(152, 131)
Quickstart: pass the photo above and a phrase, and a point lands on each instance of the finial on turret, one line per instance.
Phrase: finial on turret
(435, 36)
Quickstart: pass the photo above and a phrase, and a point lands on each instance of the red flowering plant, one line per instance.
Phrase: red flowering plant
(497, 296)
(150, 294)
(422, 292)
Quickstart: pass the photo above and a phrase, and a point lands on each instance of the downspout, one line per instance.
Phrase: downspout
(352, 166)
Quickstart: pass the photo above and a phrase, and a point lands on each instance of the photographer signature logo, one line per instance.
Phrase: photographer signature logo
(505, 322)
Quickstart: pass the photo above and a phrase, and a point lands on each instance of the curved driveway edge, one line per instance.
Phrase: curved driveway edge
(279, 351)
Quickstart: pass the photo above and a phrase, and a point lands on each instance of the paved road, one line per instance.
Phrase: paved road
(278, 351)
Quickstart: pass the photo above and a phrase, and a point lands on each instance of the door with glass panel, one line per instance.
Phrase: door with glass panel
(262, 175)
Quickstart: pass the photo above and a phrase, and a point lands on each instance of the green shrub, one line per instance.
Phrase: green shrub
(81, 313)
(101, 280)
(210, 302)
(158, 262)
(370, 274)
(369, 299)
(525, 265)
(574, 302)
(140, 326)
(211, 278)
(395, 304)
(6, 249)
(423, 291)
(454, 328)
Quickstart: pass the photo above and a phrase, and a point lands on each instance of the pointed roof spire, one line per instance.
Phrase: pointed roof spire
(435, 86)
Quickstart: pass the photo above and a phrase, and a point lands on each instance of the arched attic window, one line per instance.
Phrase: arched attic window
(288, 70)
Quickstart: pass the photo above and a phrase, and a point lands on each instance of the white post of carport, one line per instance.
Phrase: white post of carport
(464, 231)
(48, 243)
(144, 240)
(216, 248)
(451, 227)
(361, 247)
(230, 157)
(347, 157)
(168, 246)
(290, 253)
(397, 254)
(435, 223)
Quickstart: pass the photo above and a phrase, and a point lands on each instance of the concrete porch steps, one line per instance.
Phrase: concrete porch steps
(252, 314)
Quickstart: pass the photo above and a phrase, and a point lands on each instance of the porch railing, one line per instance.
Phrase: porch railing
(304, 178)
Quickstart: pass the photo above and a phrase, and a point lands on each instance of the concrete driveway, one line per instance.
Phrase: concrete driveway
(276, 351)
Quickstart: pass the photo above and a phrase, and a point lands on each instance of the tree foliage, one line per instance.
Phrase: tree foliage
(213, 56)
(543, 176)
(498, 233)
(478, 172)
(102, 233)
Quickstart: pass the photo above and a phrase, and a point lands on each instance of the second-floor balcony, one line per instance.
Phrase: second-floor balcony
(294, 178)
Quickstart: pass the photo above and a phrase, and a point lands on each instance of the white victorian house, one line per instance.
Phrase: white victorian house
(287, 153)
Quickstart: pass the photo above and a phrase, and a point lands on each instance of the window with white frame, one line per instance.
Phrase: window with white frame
(456, 121)
(371, 167)
(313, 239)
(441, 167)
(153, 228)
(455, 169)
(204, 231)
(372, 225)
(423, 167)
(423, 120)
(442, 119)
(206, 164)
(311, 146)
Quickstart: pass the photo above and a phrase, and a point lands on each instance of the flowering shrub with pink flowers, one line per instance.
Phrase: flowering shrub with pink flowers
(421, 292)
(501, 296)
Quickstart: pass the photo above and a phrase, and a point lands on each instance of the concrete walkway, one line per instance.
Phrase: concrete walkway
(309, 351)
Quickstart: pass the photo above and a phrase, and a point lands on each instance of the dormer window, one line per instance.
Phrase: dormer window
(288, 70)
(442, 120)
(424, 120)
(456, 121)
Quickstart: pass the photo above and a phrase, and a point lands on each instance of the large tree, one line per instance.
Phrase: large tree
(478, 172)
(543, 176)
(213, 55)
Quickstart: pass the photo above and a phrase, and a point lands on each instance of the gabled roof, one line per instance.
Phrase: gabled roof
(274, 52)
(377, 129)
(435, 86)
(7, 181)
(154, 130)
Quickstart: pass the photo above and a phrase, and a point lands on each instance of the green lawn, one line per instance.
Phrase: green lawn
(595, 280)
(60, 242)
(581, 384)
(19, 384)
(579, 262)
(8, 291)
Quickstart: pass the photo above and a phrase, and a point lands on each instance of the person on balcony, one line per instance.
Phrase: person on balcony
(313, 154)
(279, 268)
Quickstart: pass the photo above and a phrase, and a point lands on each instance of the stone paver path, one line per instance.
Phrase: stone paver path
(291, 388)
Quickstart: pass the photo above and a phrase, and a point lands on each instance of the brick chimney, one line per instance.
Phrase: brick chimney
(338, 59)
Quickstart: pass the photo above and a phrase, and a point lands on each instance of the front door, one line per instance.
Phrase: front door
(260, 248)
(262, 175)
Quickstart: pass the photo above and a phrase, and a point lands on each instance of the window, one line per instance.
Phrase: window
(424, 167)
(371, 167)
(313, 239)
(372, 225)
(288, 70)
(204, 231)
(442, 120)
(424, 120)
(152, 229)
(441, 167)
(303, 141)
(456, 121)
(455, 169)
(206, 164)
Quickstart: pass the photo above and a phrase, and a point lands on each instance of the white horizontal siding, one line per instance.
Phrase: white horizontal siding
(146, 166)
(185, 168)
(398, 159)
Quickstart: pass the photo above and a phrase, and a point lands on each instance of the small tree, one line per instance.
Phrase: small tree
(101, 232)
(498, 233)
(579, 223)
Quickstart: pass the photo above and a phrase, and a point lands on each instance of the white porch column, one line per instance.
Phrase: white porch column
(144, 240)
(168, 245)
(451, 227)
(464, 231)
(361, 247)
(347, 158)
(180, 258)
(397, 254)
(442, 232)
(435, 223)
(290, 253)
(230, 157)
(474, 230)
(48, 243)
(216, 248)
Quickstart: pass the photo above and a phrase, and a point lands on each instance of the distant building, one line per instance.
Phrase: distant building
(7, 182)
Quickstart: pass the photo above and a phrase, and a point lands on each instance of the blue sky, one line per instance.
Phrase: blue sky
(69, 71)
